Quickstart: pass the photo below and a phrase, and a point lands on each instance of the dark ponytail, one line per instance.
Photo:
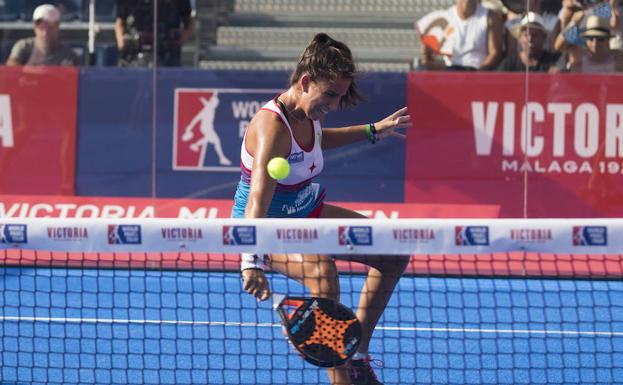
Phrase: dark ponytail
(328, 59)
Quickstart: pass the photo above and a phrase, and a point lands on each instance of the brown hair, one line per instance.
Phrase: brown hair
(328, 59)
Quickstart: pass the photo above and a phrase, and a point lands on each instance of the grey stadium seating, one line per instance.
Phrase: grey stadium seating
(269, 34)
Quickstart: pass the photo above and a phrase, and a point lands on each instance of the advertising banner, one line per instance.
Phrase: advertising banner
(37, 130)
(175, 233)
(542, 146)
(192, 149)
(331, 236)
(24, 206)
(454, 246)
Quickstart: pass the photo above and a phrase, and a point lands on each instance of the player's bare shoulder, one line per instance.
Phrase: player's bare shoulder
(267, 126)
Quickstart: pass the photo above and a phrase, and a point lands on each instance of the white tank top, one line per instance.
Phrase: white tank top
(305, 164)
(468, 38)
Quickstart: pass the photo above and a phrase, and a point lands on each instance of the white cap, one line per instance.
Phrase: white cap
(46, 12)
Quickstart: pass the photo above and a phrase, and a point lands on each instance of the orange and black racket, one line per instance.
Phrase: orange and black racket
(325, 332)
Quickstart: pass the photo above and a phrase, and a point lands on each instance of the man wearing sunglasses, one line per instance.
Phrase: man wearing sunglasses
(596, 56)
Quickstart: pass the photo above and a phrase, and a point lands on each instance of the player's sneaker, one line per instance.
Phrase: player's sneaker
(361, 372)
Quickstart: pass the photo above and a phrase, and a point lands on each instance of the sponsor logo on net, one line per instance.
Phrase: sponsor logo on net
(239, 235)
(13, 233)
(297, 235)
(177, 234)
(124, 234)
(532, 235)
(355, 235)
(590, 236)
(413, 235)
(471, 235)
(68, 233)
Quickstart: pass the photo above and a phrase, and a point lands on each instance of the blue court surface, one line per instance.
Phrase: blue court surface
(151, 327)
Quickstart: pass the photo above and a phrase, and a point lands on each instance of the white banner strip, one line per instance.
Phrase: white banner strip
(326, 236)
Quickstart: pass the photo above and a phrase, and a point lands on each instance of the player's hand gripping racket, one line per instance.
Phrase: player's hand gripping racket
(325, 332)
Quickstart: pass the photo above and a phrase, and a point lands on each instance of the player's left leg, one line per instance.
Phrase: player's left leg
(384, 273)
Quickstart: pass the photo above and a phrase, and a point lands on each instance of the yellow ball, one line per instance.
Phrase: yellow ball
(278, 168)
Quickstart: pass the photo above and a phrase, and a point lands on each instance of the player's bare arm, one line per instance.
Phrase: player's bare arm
(336, 137)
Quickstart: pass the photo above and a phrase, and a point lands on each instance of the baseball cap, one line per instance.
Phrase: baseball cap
(46, 12)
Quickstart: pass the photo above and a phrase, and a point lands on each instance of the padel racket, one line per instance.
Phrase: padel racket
(325, 332)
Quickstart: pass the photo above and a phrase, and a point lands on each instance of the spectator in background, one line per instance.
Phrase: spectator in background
(474, 34)
(45, 48)
(531, 34)
(616, 24)
(548, 10)
(134, 31)
(573, 11)
(595, 56)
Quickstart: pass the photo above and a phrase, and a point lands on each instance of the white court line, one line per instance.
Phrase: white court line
(272, 325)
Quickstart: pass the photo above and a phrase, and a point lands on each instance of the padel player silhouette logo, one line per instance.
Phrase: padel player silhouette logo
(590, 236)
(207, 134)
(13, 233)
(208, 126)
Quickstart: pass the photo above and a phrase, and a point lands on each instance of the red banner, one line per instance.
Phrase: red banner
(22, 206)
(38, 107)
(542, 146)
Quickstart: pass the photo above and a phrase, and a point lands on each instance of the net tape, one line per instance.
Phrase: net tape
(334, 236)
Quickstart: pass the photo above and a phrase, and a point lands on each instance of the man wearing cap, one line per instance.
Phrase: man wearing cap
(549, 14)
(531, 34)
(45, 48)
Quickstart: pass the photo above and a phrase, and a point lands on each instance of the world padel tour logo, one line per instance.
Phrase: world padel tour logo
(355, 235)
(67, 233)
(471, 236)
(13, 233)
(297, 235)
(209, 124)
(590, 236)
(239, 235)
(124, 234)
